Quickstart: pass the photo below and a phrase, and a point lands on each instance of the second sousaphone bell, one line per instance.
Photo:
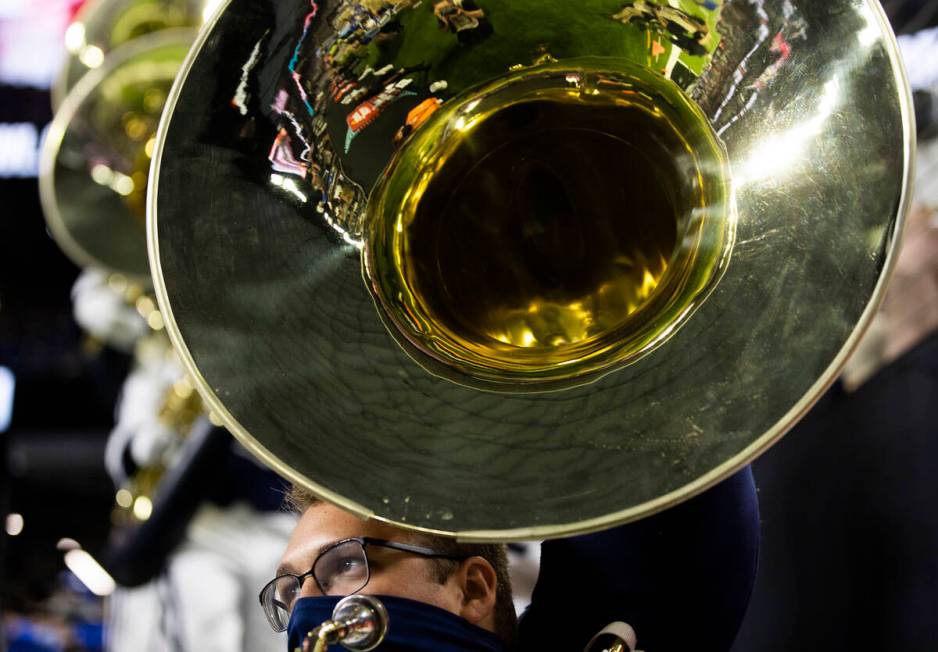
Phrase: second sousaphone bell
(96, 156)
(610, 253)
(102, 26)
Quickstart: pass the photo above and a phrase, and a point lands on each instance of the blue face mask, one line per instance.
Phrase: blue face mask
(412, 627)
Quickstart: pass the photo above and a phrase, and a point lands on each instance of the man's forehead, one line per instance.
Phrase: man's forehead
(321, 525)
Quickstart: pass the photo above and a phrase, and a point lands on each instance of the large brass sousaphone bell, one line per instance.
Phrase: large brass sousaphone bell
(517, 268)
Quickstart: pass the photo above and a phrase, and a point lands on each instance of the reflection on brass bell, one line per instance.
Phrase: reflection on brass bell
(516, 269)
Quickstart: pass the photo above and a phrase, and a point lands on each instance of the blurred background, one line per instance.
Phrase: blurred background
(55, 406)
(850, 530)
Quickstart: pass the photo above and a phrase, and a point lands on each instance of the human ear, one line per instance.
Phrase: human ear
(478, 582)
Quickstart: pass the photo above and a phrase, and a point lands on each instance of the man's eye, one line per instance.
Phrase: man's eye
(348, 565)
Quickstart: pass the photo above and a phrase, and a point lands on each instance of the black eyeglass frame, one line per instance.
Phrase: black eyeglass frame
(364, 542)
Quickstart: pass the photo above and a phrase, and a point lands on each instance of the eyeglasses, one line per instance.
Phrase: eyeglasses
(339, 570)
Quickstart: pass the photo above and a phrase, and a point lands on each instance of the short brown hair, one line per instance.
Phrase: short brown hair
(299, 499)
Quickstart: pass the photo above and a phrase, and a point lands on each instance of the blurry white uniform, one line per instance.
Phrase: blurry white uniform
(206, 599)
(215, 576)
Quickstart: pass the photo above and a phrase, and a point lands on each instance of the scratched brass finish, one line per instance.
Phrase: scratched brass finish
(525, 268)
(96, 156)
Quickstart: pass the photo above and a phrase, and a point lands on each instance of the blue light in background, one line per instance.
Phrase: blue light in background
(19, 150)
(7, 386)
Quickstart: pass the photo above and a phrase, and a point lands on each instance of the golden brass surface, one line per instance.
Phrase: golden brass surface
(598, 199)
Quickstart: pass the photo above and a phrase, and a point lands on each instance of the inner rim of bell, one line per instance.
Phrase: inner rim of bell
(549, 228)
